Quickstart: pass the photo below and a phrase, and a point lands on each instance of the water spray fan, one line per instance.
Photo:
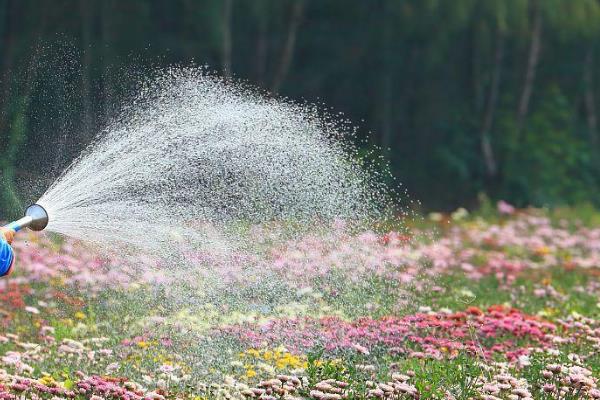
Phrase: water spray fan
(35, 218)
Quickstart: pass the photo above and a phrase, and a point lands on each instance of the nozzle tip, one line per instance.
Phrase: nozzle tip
(39, 217)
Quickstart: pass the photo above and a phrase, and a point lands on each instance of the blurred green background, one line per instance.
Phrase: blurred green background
(461, 97)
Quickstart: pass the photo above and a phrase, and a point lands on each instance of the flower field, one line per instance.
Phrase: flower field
(503, 304)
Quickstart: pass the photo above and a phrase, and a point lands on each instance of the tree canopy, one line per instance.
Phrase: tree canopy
(461, 97)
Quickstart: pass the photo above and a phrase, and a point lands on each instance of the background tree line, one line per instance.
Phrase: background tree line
(460, 96)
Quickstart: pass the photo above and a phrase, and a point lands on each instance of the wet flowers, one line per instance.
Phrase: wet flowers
(505, 308)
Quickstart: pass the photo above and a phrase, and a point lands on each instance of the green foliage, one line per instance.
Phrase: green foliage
(9, 200)
(416, 75)
(549, 163)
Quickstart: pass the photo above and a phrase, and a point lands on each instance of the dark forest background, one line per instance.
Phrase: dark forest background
(462, 97)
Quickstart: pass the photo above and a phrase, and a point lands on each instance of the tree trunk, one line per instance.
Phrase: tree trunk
(475, 69)
(387, 95)
(86, 90)
(8, 41)
(288, 49)
(590, 103)
(226, 37)
(262, 43)
(532, 62)
(107, 82)
(488, 120)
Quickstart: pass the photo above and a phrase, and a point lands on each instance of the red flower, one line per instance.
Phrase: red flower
(476, 311)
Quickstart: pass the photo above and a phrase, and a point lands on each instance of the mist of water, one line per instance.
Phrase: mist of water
(194, 157)
(208, 174)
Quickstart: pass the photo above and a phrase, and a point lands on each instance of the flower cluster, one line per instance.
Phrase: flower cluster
(398, 387)
(563, 381)
(435, 334)
(282, 386)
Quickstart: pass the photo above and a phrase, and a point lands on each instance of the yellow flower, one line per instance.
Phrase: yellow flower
(547, 312)
(142, 344)
(57, 281)
(546, 281)
(48, 381)
(250, 373)
(278, 358)
(79, 315)
(288, 360)
(253, 353)
(543, 250)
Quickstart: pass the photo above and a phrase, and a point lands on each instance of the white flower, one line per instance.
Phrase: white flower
(435, 216)
(459, 214)
(47, 330)
(524, 361)
(166, 368)
(112, 367)
(304, 291)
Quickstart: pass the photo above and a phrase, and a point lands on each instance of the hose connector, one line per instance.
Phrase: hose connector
(36, 218)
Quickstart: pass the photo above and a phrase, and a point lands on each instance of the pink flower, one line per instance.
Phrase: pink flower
(360, 349)
(505, 208)
(32, 310)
